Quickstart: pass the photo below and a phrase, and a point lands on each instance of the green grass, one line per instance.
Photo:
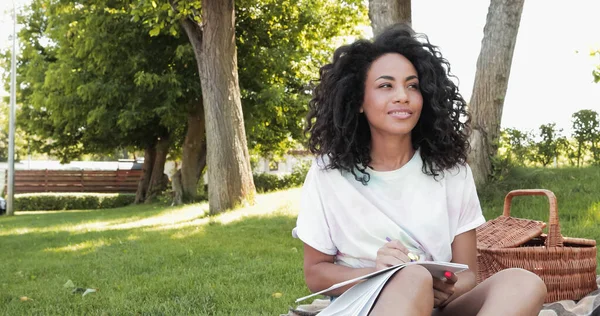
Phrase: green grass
(153, 260)
(160, 260)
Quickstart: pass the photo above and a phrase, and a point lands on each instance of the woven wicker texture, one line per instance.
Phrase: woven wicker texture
(567, 265)
(507, 232)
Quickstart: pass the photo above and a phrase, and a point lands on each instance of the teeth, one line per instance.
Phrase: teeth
(396, 112)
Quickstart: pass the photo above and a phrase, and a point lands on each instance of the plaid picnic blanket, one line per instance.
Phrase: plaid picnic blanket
(587, 306)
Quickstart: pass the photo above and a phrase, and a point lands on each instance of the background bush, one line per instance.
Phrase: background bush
(265, 182)
(70, 201)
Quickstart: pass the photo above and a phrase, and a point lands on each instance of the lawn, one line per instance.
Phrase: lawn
(161, 260)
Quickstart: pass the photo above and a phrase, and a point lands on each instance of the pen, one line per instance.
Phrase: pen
(411, 255)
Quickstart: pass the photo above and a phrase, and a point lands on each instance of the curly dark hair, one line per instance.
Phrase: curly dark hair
(337, 130)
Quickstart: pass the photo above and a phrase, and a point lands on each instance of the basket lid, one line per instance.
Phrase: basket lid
(508, 232)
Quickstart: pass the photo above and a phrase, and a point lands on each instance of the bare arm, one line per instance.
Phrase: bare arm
(320, 272)
(464, 250)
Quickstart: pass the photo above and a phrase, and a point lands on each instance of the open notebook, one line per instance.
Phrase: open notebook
(359, 299)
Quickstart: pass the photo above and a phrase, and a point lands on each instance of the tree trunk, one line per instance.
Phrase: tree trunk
(158, 181)
(229, 175)
(578, 154)
(491, 82)
(384, 13)
(149, 157)
(202, 162)
(177, 188)
(594, 151)
(193, 158)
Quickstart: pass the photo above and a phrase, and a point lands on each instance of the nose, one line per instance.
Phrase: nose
(401, 95)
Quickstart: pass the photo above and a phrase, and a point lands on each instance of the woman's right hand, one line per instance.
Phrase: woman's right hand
(392, 253)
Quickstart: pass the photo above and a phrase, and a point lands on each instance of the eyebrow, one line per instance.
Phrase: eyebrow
(394, 79)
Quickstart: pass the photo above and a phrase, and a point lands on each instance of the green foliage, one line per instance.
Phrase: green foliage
(501, 164)
(280, 47)
(70, 201)
(547, 149)
(100, 75)
(586, 132)
(518, 148)
(568, 148)
(515, 147)
(92, 80)
(265, 182)
(596, 72)
(163, 16)
(21, 146)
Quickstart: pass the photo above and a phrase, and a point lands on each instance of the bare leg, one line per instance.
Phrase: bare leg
(509, 292)
(408, 292)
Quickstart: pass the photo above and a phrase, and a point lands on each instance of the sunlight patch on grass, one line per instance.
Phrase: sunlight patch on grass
(592, 216)
(265, 204)
(88, 227)
(168, 217)
(133, 237)
(199, 231)
(283, 202)
(179, 215)
(83, 227)
(21, 213)
(84, 247)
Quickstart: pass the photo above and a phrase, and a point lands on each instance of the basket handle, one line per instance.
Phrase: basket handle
(554, 237)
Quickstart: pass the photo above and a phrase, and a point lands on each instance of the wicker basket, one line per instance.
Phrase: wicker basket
(567, 265)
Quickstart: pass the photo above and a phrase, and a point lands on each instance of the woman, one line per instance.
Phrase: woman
(390, 183)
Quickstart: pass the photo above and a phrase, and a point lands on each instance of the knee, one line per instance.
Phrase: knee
(416, 275)
(525, 281)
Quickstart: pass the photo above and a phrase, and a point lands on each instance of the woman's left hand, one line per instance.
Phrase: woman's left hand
(443, 290)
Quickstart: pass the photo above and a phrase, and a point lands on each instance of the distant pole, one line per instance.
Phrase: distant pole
(11, 125)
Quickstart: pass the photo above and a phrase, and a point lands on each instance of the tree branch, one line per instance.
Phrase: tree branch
(189, 24)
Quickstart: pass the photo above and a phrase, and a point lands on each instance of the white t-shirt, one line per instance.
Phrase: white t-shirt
(340, 216)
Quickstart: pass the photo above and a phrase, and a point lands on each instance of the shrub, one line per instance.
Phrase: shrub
(265, 182)
(70, 201)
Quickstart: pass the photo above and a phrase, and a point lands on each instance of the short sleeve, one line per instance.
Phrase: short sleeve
(312, 226)
(471, 215)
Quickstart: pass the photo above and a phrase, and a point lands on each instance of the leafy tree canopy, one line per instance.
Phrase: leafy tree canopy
(281, 45)
(101, 74)
(92, 79)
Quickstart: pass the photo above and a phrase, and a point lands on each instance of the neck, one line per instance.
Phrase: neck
(390, 154)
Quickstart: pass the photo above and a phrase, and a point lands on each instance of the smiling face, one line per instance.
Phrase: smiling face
(393, 100)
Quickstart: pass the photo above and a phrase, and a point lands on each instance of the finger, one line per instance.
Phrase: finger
(436, 300)
(444, 303)
(440, 296)
(396, 244)
(443, 287)
(447, 296)
(451, 278)
(392, 252)
(388, 260)
(439, 284)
